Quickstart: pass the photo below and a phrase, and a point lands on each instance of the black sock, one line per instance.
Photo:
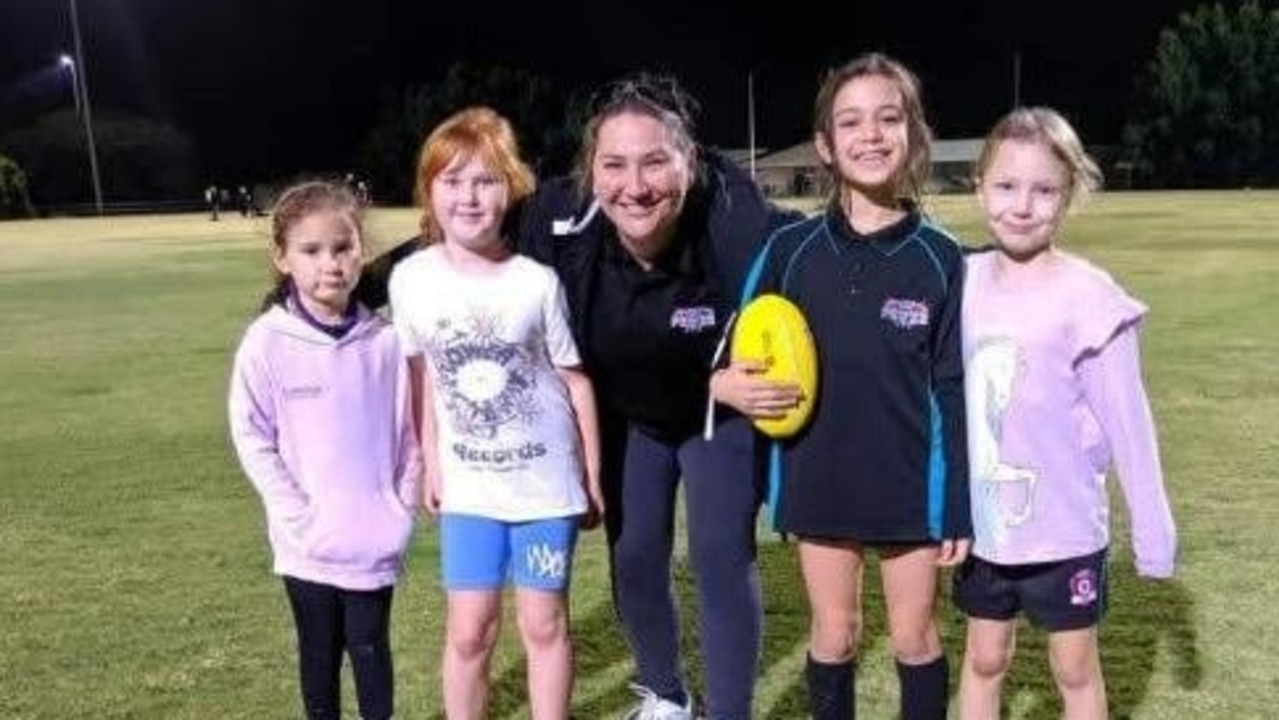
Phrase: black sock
(924, 692)
(831, 689)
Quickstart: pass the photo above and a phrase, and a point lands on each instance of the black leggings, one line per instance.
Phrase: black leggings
(330, 620)
(723, 485)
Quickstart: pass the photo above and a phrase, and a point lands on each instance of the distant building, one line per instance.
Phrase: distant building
(797, 172)
(955, 164)
(793, 172)
(742, 156)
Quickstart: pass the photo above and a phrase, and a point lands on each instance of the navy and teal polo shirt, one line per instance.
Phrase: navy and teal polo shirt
(884, 459)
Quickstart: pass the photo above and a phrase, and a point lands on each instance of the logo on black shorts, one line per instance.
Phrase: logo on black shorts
(1083, 587)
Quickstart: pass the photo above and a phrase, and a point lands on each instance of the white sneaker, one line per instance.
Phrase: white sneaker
(652, 707)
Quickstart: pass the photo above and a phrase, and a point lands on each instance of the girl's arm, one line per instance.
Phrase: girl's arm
(948, 393)
(408, 467)
(741, 384)
(582, 397)
(423, 397)
(253, 433)
(1115, 391)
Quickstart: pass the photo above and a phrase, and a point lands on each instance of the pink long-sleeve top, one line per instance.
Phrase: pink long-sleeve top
(1056, 400)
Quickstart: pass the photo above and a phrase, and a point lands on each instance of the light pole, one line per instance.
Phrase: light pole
(79, 74)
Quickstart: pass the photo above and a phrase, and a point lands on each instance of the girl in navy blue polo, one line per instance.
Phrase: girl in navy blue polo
(882, 466)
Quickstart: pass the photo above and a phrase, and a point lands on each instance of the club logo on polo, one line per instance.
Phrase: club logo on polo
(693, 319)
(904, 313)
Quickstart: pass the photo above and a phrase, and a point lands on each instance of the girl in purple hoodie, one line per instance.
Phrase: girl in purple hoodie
(320, 418)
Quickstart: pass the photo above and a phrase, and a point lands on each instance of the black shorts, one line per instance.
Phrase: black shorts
(1062, 595)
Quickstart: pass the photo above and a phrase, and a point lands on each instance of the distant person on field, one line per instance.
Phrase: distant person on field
(245, 199)
(882, 465)
(320, 416)
(507, 416)
(213, 198)
(1055, 395)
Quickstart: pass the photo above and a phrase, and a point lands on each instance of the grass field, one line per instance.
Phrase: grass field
(135, 583)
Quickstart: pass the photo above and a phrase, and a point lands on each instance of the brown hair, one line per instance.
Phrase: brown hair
(475, 131)
(299, 201)
(660, 97)
(919, 137)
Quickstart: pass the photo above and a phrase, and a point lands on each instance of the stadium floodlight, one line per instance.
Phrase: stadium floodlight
(67, 63)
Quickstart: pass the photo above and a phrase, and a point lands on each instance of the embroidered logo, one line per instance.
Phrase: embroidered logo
(1083, 587)
(545, 561)
(303, 392)
(693, 319)
(904, 314)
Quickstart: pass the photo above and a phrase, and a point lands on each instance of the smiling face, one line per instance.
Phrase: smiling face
(322, 252)
(468, 200)
(868, 140)
(640, 177)
(1024, 192)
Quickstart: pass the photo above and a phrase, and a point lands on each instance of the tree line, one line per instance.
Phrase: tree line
(1205, 116)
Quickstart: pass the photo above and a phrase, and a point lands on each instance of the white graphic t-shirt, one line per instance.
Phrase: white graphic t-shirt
(508, 441)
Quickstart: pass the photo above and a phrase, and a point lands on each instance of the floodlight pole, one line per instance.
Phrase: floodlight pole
(79, 75)
(1016, 79)
(750, 118)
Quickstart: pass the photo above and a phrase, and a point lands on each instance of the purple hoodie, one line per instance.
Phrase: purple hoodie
(323, 429)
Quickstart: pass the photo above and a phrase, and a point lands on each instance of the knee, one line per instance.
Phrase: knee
(721, 558)
(474, 641)
(641, 564)
(835, 636)
(367, 652)
(988, 664)
(916, 645)
(543, 629)
(1076, 677)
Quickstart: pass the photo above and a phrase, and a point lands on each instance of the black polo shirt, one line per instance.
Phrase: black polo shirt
(650, 335)
(646, 336)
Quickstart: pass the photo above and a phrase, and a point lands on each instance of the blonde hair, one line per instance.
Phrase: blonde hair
(1047, 127)
(475, 131)
(919, 137)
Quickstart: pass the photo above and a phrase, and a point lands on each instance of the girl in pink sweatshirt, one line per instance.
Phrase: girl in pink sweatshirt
(1055, 398)
(320, 418)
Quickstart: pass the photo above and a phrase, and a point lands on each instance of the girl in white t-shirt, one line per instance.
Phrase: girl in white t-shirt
(507, 417)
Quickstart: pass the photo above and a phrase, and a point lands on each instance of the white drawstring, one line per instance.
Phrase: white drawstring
(567, 226)
(708, 430)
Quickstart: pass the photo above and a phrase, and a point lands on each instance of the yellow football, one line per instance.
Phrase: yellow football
(773, 330)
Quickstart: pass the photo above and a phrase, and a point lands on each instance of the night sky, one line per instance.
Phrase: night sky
(277, 86)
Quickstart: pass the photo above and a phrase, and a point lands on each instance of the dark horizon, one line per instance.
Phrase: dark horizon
(267, 87)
